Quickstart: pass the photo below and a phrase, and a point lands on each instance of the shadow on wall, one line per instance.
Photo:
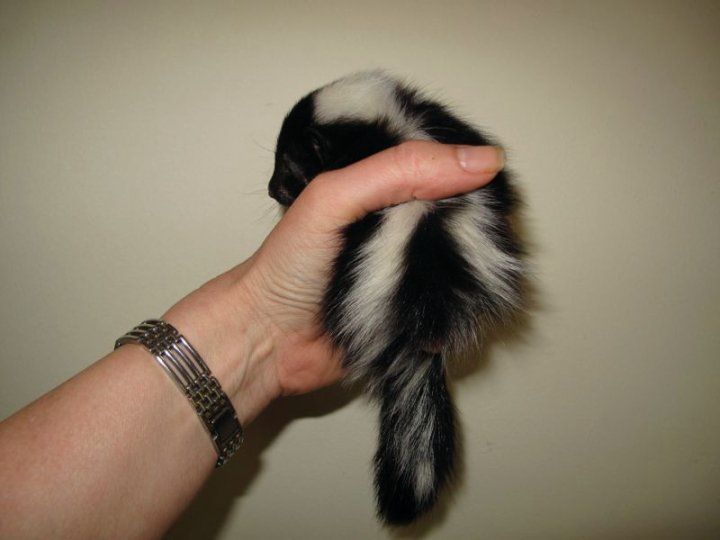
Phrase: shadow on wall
(206, 515)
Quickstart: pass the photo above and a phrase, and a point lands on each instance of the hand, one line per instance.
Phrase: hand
(279, 289)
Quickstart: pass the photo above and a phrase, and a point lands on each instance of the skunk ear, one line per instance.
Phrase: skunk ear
(318, 143)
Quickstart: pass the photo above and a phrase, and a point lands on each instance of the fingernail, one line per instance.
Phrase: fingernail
(481, 158)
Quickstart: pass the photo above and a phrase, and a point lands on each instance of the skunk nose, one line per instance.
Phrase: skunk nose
(278, 192)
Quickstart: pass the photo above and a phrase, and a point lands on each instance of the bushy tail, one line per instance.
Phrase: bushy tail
(416, 453)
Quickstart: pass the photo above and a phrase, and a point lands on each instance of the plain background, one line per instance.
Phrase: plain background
(135, 144)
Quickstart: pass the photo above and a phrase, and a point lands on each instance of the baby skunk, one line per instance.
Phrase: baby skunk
(413, 284)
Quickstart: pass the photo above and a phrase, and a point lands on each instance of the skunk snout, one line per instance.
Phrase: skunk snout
(279, 193)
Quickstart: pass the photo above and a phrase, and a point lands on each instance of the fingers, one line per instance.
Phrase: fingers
(413, 170)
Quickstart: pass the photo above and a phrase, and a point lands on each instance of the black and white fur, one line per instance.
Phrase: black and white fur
(413, 284)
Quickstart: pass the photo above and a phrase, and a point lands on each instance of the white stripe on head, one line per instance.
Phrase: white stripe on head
(367, 96)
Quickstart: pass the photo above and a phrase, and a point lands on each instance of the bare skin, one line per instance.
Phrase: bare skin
(116, 451)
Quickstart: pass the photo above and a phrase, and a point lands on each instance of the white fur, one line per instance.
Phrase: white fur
(413, 407)
(470, 227)
(368, 96)
(377, 274)
(424, 475)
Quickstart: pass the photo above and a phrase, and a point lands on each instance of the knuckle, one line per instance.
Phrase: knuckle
(416, 160)
(410, 159)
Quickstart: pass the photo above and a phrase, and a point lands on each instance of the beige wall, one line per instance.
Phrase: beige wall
(134, 145)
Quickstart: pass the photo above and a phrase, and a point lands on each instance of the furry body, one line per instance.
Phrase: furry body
(413, 284)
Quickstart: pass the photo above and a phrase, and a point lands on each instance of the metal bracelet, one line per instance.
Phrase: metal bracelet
(192, 376)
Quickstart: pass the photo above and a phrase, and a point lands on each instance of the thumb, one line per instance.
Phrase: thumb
(414, 170)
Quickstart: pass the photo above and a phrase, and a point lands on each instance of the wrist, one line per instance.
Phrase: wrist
(220, 320)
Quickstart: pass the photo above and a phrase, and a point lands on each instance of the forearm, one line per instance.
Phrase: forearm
(118, 451)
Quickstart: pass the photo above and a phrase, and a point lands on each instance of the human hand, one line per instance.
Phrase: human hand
(272, 300)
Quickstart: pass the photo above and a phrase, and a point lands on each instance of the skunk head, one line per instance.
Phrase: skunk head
(339, 124)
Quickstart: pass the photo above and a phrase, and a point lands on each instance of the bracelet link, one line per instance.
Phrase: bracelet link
(192, 376)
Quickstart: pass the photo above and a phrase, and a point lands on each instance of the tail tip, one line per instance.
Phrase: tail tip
(403, 511)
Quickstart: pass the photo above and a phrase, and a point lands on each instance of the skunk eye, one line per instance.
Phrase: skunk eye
(317, 143)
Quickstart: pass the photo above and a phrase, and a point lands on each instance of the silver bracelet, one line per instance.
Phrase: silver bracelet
(184, 365)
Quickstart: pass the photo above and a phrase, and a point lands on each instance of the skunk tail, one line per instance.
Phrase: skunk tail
(416, 453)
